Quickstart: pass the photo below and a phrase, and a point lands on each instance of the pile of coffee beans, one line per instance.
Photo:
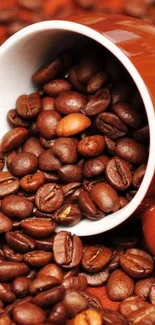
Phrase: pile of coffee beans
(78, 147)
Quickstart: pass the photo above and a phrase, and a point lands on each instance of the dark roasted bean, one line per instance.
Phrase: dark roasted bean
(49, 197)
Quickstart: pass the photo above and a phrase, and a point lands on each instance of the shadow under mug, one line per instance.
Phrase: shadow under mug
(130, 40)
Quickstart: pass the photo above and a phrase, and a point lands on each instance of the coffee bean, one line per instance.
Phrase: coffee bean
(128, 114)
(143, 315)
(70, 173)
(38, 227)
(49, 197)
(13, 139)
(2, 161)
(28, 106)
(142, 135)
(6, 294)
(48, 162)
(98, 103)
(15, 120)
(32, 145)
(118, 173)
(68, 254)
(110, 125)
(20, 242)
(131, 151)
(67, 214)
(48, 103)
(75, 283)
(137, 263)
(105, 197)
(97, 279)
(32, 182)
(72, 76)
(5, 319)
(123, 201)
(17, 207)
(131, 304)
(37, 259)
(88, 317)
(138, 175)
(110, 146)
(58, 314)
(23, 164)
(121, 92)
(47, 122)
(142, 287)
(5, 223)
(88, 208)
(51, 270)
(72, 124)
(42, 283)
(48, 72)
(70, 102)
(20, 286)
(47, 144)
(55, 87)
(119, 286)
(49, 297)
(11, 255)
(95, 166)
(91, 146)
(65, 149)
(93, 301)
(74, 303)
(45, 244)
(28, 314)
(11, 270)
(97, 81)
(95, 258)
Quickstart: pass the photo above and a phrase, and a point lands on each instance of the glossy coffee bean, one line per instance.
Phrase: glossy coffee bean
(6, 294)
(15, 120)
(51, 270)
(123, 201)
(88, 207)
(128, 114)
(110, 146)
(11, 270)
(48, 72)
(95, 258)
(42, 283)
(2, 161)
(137, 263)
(13, 138)
(68, 254)
(97, 279)
(131, 304)
(74, 303)
(110, 125)
(20, 242)
(20, 286)
(65, 149)
(97, 81)
(72, 124)
(131, 151)
(32, 182)
(143, 315)
(114, 261)
(49, 297)
(23, 164)
(28, 314)
(142, 134)
(95, 166)
(49, 197)
(47, 122)
(93, 301)
(91, 146)
(88, 317)
(72, 76)
(11, 255)
(70, 102)
(28, 106)
(58, 314)
(75, 283)
(55, 87)
(38, 227)
(142, 287)
(67, 214)
(105, 197)
(110, 316)
(118, 173)
(9, 184)
(48, 162)
(37, 259)
(119, 286)
(17, 207)
(48, 103)
(138, 175)
(5, 223)
(98, 103)
(32, 145)
(70, 173)
(47, 144)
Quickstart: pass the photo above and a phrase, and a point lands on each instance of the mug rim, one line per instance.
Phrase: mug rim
(102, 39)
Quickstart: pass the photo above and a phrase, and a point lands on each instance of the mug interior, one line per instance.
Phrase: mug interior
(29, 49)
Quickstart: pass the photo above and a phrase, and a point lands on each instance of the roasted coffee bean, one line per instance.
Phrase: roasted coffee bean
(138, 175)
(74, 303)
(65, 149)
(123, 201)
(93, 301)
(32, 145)
(23, 164)
(20, 242)
(111, 125)
(70, 188)
(67, 214)
(112, 317)
(13, 139)
(32, 182)
(20, 286)
(49, 297)
(45, 244)
(72, 76)
(72, 124)
(142, 316)
(114, 261)
(98, 103)
(48, 72)
(38, 227)
(5, 223)
(96, 82)
(97, 279)
(51, 270)
(131, 304)
(58, 314)
(28, 314)
(48, 162)
(142, 287)
(42, 283)
(118, 173)
(51, 177)
(88, 317)
(37, 259)
(10, 255)
(70, 102)
(49, 197)
(88, 208)
(128, 114)
(90, 63)
(121, 92)
(142, 135)
(5, 319)
(47, 122)
(48, 103)
(95, 258)
(95, 166)
(70, 173)
(11, 270)
(137, 263)
(28, 106)
(152, 293)
(67, 249)
(88, 184)
(16, 207)
(75, 283)
(131, 151)
(110, 146)
(15, 120)
(6, 294)
(91, 146)
(119, 286)
(71, 273)
(47, 144)
(2, 161)
(55, 87)
(105, 197)
(9, 184)
(40, 214)
(33, 129)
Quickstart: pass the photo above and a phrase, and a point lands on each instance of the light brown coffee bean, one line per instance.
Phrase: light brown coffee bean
(95, 258)
(75, 283)
(9, 184)
(51, 270)
(72, 124)
(12, 139)
(74, 303)
(142, 287)
(28, 314)
(119, 286)
(88, 317)
(11, 270)
(37, 259)
(32, 145)
(17, 207)
(131, 304)
(32, 182)
(5, 223)
(38, 227)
